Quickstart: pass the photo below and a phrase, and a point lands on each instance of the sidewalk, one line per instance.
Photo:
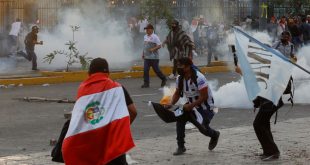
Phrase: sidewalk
(21, 75)
(237, 145)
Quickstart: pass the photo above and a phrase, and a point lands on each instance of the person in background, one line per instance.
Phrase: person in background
(30, 41)
(179, 45)
(13, 35)
(151, 57)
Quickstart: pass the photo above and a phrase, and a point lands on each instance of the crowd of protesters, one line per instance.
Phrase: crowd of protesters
(297, 25)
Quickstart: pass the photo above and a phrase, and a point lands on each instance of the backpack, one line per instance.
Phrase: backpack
(56, 152)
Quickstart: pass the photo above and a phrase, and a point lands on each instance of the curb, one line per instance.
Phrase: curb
(48, 77)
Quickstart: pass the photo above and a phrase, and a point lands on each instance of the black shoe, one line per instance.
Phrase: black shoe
(214, 140)
(163, 82)
(35, 69)
(179, 151)
(270, 157)
(145, 86)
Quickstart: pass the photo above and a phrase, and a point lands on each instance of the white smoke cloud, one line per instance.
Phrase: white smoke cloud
(301, 78)
(7, 64)
(99, 35)
(231, 95)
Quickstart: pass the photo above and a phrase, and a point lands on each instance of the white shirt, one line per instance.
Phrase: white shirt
(152, 38)
(15, 29)
(151, 42)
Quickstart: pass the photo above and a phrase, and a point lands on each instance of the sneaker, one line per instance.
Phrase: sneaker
(214, 140)
(163, 82)
(171, 76)
(189, 126)
(270, 157)
(145, 86)
(179, 151)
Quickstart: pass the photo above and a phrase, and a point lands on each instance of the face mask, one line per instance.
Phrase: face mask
(284, 41)
(174, 28)
(180, 71)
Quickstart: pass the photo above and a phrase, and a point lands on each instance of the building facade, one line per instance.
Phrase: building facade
(42, 12)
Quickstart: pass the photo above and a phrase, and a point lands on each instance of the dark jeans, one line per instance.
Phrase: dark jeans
(32, 57)
(121, 160)
(211, 52)
(204, 128)
(262, 128)
(154, 63)
(174, 69)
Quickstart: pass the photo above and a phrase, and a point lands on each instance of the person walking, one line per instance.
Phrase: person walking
(179, 45)
(151, 56)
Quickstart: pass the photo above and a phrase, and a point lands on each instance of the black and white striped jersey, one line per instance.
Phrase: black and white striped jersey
(191, 91)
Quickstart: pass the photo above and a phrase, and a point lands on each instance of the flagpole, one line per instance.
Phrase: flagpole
(280, 55)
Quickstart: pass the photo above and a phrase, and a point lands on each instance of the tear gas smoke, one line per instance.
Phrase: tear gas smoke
(99, 35)
(7, 64)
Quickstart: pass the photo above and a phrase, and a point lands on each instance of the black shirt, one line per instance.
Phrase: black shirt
(127, 97)
(29, 40)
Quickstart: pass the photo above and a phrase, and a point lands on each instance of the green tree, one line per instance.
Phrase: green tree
(73, 55)
(157, 9)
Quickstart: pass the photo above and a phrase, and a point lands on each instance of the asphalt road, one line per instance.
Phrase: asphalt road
(27, 127)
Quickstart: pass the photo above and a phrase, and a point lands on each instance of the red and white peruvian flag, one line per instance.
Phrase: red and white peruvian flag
(99, 130)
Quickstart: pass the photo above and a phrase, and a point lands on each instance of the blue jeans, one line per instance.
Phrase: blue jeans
(154, 63)
(204, 128)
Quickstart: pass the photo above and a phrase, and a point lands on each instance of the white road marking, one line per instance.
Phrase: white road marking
(150, 115)
(152, 94)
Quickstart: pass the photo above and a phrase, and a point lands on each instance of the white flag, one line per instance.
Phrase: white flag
(265, 74)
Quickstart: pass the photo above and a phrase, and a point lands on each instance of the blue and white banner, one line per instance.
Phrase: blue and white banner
(265, 71)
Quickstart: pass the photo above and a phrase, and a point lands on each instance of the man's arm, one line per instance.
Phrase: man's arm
(155, 48)
(35, 41)
(203, 96)
(158, 44)
(175, 97)
(132, 112)
(130, 106)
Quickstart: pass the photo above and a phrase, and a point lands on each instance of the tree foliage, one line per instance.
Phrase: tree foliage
(73, 55)
(156, 9)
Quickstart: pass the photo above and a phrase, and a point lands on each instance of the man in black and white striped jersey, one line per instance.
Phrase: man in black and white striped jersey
(199, 108)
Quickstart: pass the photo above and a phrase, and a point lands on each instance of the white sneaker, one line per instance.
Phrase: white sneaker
(171, 76)
(189, 126)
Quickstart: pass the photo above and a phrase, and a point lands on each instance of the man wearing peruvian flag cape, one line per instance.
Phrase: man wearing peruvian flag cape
(99, 131)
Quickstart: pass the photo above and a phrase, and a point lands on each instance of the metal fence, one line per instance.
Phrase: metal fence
(42, 12)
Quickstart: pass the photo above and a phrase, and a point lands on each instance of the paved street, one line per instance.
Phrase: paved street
(26, 128)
